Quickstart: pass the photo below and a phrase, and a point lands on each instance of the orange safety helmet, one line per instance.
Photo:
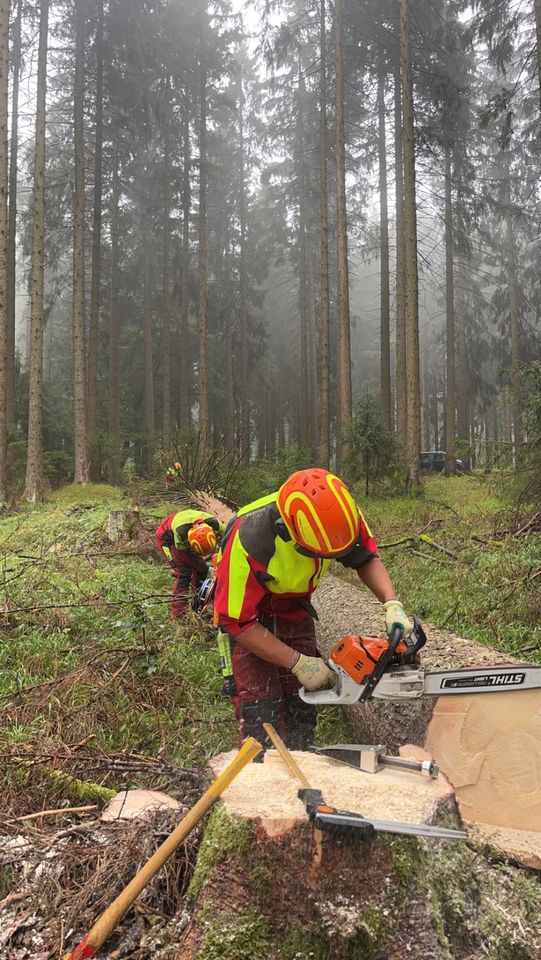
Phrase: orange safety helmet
(202, 538)
(319, 512)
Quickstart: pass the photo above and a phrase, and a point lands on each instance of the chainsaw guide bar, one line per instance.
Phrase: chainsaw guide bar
(325, 817)
(367, 668)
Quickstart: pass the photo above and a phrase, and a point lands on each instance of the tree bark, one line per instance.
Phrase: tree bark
(244, 411)
(95, 280)
(450, 407)
(513, 318)
(202, 264)
(344, 334)
(325, 418)
(400, 359)
(33, 489)
(82, 472)
(537, 10)
(113, 465)
(184, 418)
(303, 292)
(4, 361)
(312, 360)
(166, 298)
(463, 389)
(12, 216)
(260, 851)
(148, 363)
(410, 256)
(385, 341)
(229, 406)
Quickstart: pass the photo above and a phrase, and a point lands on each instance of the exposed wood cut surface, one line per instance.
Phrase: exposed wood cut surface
(268, 791)
(490, 748)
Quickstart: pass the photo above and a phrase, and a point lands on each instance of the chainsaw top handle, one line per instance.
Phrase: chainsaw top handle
(383, 662)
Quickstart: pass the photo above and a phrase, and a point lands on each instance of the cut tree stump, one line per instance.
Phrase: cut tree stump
(123, 525)
(488, 745)
(267, 884)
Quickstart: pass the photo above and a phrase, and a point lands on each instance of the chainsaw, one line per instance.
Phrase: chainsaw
(367, 667)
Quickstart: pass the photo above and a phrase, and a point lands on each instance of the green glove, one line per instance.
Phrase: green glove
(395, 616)
(312, 672)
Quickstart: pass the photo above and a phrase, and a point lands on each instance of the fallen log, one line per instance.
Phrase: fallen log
(488, 745)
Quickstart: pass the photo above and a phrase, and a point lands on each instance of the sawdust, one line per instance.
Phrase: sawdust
(268, 791)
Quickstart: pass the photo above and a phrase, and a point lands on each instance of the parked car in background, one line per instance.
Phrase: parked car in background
(433, 461)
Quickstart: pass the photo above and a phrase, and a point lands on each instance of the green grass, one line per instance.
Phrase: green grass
(87, 649)
(487, 591)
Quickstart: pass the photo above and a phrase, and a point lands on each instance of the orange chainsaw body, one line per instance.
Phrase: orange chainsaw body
(358, 656)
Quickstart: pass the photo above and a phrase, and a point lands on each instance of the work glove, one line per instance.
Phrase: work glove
(312, 672)
(395, 616)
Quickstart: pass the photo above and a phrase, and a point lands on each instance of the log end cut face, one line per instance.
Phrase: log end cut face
(490, 749)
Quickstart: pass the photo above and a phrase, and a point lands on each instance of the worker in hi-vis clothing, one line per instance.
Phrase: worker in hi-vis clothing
(172, 474)
(273, 554)
(188, 539)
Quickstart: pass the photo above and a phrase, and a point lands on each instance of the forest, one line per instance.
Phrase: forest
(188, 187)
(245, 245)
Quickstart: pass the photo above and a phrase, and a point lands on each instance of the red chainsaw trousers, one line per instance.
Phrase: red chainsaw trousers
(188, 579)
(267, 693)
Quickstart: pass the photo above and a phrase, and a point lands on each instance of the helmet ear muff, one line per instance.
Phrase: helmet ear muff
(281, 529)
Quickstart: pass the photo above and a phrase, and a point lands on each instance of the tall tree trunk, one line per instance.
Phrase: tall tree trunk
(312, 360)
(303, 292)
(185, 364)
(413, 447)
(82, 472)
(344, 335)
(537, 10)
(114, 369)
(400, 359)
(325, 418)
(435, 413)
(33, 489)
(463, 387)
(450, 402)
(96, 233)
(243, 312)
(385, 339)
(12, 215)
(229, 406)
(4, 82)
(166, 300)
(148, 356)
(513, 318)
(202, 264)
(427, 397)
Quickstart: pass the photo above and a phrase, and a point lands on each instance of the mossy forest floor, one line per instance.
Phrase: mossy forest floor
(99, 690)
